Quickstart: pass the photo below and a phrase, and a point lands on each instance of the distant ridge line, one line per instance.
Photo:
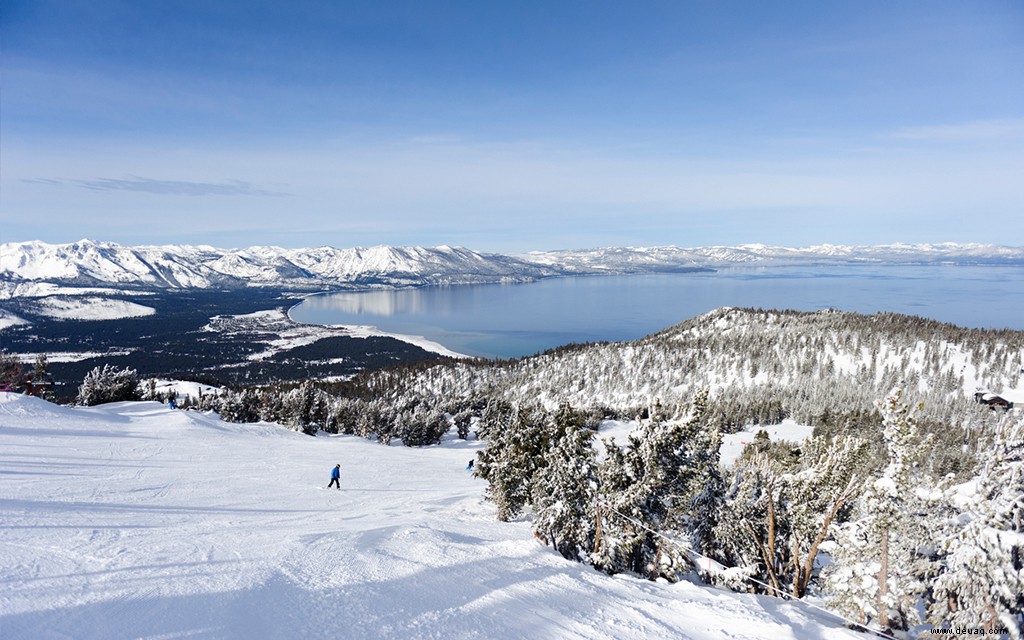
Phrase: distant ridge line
(92, 263)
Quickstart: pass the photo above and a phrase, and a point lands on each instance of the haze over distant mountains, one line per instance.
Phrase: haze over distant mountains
(35, 268)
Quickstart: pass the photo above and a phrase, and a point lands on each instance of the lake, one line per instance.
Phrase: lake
(511, 320)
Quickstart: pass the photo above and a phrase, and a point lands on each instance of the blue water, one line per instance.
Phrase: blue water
(511, 320)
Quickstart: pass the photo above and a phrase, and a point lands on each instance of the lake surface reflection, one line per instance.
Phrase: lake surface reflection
(510, 320)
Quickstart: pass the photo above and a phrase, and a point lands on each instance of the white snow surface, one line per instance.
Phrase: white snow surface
(1016, 396)
(8, 319)
(69, 356)
(732, 443)
(366, 331)
(90, 308)
(133, 520)
(182, 388)
(787, 430)
(289, 334)
(42, 289)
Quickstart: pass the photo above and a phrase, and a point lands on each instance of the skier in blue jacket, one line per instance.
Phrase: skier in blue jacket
(335, 477)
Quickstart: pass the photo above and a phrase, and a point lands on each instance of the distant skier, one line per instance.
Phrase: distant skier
(335, 477)
(469, 467)
(170, 403)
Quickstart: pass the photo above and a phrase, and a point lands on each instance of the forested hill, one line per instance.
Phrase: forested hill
(758, 365)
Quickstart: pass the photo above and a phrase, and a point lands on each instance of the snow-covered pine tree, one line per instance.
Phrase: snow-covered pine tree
(11, 370)
(706, 510)
(618, 536)
(512, 457)
(815, 498)
(775, 518)
(271, 406)
(752, 533)
(41, 377)
(303, 408)
(496, 417)
(892, 507)
(654, 481)
(889, 532)
(564, 490)
(424, 427)
(982, 583)
(851, 580)
(239, 407)
(709, 487)
(344, 413)
(463, 420)
(108, 384)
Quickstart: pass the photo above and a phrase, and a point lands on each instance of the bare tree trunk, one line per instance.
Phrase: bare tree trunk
(773, 578)
(798, 579)
(597, 536)
(1016, 557)
(767, 549)
(657, 561)
(803, 576)
(992, 624)
(883, 579)
(771, 542)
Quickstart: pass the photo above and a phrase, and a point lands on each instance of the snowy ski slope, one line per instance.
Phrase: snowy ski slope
(131, 520)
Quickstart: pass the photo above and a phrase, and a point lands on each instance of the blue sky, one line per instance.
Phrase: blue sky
(511, 126)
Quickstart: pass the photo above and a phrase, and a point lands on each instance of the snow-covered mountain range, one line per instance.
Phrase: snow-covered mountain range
(32, 268)
(25, 265)
(670, 258)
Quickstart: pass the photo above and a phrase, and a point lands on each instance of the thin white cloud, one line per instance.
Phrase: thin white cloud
(525, 194)
(163, 187)
(976, 130)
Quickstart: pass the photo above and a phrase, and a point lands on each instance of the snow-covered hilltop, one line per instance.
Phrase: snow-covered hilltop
(33, 268)
(759, 365)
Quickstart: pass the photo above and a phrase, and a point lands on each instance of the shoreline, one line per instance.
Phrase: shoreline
(367, 331)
